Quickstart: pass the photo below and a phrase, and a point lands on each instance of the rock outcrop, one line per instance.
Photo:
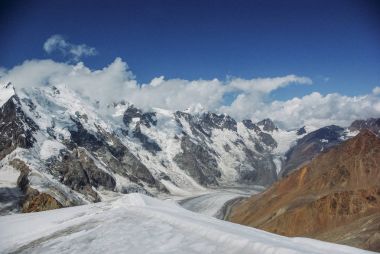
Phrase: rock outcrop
(267, 125)
(16, 129)
(198, 162)
(201, 158)
(32, 200)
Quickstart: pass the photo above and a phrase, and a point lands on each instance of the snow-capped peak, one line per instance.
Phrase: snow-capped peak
(195, 109)
(6, 92)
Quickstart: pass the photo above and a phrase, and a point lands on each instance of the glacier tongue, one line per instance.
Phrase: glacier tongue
(135, 223)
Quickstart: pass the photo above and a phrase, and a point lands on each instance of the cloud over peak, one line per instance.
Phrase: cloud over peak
(116, 82)
(73, 51)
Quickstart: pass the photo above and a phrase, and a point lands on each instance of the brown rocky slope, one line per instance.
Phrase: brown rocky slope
(336, 197)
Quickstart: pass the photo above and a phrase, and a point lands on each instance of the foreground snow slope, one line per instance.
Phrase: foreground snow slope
(135, 223)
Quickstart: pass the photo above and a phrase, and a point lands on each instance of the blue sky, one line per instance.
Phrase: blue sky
(300, 63)
(335, 43)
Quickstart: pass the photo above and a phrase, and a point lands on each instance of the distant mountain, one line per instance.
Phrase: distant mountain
(372, 124)
(315, 142)
(60, 149)
(335, 197)
(312, 144)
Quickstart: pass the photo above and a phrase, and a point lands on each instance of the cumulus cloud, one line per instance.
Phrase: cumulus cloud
(73, 51)
(376, 90)
(108, 84)
(267, 85)
(320, 110)
(116, 82)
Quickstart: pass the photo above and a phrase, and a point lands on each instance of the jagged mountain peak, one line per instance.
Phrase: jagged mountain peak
(267, 125)
(221, 121)
(135, 114)
(250, 125)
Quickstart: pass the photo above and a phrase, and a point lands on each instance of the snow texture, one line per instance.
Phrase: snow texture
(50, 148)
(6, 92)
(135, 223)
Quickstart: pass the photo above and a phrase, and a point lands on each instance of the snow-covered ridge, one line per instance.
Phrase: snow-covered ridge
(6, 92)
(135, 223)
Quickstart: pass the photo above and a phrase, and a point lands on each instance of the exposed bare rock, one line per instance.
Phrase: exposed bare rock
(267, 125)
(16, 129)
(117, 156)
(36, 202)
(208, 121)
(148, 119)
(199, 158)
(198, 162)
(336, 197)
(79, 171)
(32, 200)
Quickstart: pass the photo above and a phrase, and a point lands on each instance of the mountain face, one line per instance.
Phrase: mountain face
(312, 144)
(60, 149)
(372, 124)
(315, 142)
(16, 129)
(335, 197)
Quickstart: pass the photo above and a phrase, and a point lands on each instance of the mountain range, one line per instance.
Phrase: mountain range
(61, 149)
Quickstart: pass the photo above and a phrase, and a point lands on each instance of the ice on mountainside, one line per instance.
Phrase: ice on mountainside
(50, 148)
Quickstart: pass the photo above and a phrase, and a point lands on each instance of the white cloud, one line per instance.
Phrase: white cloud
(108, 84)
(116, 82)
(267, 85)
(376, 90)
(73, 51)
(320, 110)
